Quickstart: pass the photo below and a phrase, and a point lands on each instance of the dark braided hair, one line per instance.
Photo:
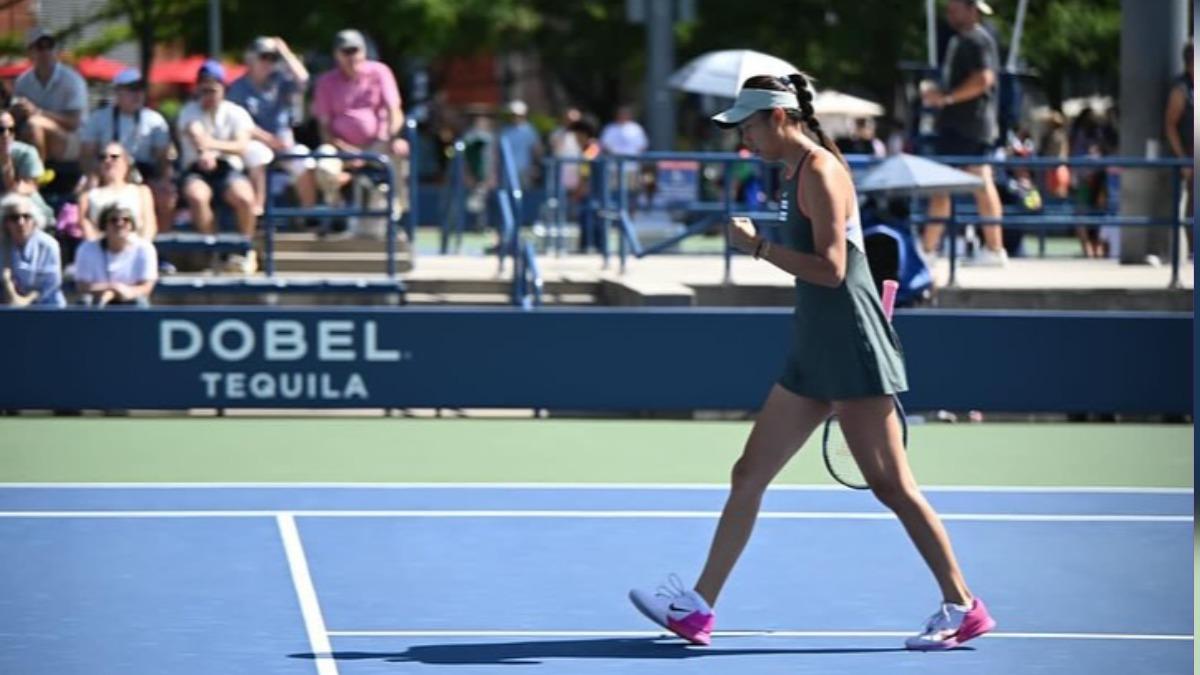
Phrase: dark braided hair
(800, 85)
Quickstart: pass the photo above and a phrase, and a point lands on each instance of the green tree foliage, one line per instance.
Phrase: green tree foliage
(1066, 39)
(590, 48)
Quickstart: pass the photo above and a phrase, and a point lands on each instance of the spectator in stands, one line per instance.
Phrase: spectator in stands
(863, 141)
(120, 268)
(146, 137)
(1180, 117)
(357, 107)
(624, 136)
(20, 166)
(526, 146)
(966, 121)
(479, 173)
(213, 136)
(1085, 132)
(1090, 184)
(564, 144)
(271, 93)
(49, 101)
(114, 187)
(1055, 144)
(590, 184)
(896, 132)
(31, 269)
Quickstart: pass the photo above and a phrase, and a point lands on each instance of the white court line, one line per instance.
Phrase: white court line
(1099, 489)
(314, 622)
(600, 514)
(733, 633)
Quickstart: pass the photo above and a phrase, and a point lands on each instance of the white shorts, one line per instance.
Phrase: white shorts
(257, 154)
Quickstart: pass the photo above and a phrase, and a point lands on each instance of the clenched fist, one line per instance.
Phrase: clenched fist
(742, 235)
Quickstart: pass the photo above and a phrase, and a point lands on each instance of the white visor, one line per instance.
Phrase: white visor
(750, 101)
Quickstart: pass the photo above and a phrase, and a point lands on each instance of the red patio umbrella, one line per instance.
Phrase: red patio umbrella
(90, 67)
(183, 71)
(14, 68)
(99, 68)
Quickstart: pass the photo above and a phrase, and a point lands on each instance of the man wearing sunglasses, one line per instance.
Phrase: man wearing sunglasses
(49, 100)
(357, 106)
(214, 134)
(270, 91)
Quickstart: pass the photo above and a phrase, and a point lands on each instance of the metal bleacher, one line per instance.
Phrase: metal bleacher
(270, 288)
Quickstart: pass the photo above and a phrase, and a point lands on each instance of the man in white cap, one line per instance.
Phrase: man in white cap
(49, 100)
(524, 143)
(966, 121)
(357, 107)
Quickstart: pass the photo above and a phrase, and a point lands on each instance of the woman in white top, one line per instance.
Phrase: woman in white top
(114, 187)
(119, 268)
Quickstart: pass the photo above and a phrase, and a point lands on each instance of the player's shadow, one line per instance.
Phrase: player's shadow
(534, 651)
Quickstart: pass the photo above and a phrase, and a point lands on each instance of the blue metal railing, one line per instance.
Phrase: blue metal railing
(612, 207)
(527, 275)
(455, 199)
(1174, 165)
(272, 212)
(527, 278)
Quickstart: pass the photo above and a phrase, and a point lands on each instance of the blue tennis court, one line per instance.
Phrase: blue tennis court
(405, 578)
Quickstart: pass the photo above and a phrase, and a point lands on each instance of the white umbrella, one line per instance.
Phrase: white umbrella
(830, 102)
(909, 174)
(722, 73)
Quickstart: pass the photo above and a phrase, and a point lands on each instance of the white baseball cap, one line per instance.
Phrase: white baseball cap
(982, 6)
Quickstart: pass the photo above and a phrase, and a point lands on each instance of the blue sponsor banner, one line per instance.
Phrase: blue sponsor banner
(677, 182)
(595, 359)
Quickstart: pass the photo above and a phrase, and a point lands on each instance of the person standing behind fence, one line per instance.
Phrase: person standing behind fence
(1054, 144)
(966, 122)
(270, 95)
(1178, 125)
(624, 136)
(588, 185)
(479, 168)
(563, 145)
(524, 143)
(31, 268)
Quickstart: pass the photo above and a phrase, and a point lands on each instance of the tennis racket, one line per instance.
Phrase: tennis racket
(838, 459)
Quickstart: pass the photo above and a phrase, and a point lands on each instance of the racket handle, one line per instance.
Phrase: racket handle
(890, 286)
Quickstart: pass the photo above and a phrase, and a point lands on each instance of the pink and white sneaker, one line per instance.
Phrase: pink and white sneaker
(951, 626)
(679, 610)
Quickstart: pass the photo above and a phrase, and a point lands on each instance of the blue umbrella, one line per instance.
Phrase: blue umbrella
(909, 174)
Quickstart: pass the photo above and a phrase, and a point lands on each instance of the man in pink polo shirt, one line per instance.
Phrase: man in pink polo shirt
(357, 105)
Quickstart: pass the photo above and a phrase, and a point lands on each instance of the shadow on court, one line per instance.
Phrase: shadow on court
(532, 652)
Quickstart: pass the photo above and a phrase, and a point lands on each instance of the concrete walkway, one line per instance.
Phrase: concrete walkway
(1021, 273)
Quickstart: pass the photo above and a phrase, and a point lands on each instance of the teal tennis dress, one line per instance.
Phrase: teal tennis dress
(843, 346)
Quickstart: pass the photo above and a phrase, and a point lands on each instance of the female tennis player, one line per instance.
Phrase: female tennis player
(845, 359)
